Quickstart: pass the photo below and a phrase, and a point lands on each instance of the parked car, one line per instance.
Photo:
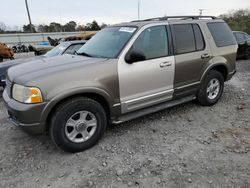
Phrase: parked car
(123, 72)
(69, 47)
(243, 40)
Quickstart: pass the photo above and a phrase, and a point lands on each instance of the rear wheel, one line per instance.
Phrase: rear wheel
(211, 89)
(77, 124)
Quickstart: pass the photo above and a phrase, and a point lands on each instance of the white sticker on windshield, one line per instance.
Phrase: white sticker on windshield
(127, 29)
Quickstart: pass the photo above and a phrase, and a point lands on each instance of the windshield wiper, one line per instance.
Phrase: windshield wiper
(84, 54)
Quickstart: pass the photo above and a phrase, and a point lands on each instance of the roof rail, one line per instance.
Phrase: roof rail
(176, 17)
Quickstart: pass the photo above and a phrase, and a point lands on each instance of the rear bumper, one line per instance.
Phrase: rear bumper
(25, 116)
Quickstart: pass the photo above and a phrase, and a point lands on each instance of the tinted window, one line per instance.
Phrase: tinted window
(153, 42)
(239, 37)
(57, 50)
(199, 40)
(222, 34)
(73, 48)
(184, 38)
(246, 36)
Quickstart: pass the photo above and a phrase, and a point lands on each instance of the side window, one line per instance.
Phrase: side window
(188, 38)
(73, 48)
(153, 42)
(246, 36)
(199, 40)
(221, 33)
(240, 37)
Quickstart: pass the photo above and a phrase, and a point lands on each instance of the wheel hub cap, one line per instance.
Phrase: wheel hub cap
(213, 88)
(81, 126)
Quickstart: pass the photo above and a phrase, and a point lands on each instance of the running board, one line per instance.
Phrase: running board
(153, 109)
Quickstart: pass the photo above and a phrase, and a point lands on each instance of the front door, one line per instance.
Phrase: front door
(147, 82)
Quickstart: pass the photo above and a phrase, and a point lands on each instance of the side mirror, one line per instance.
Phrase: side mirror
(134, 56)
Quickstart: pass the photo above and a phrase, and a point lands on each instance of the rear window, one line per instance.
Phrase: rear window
(222, 34)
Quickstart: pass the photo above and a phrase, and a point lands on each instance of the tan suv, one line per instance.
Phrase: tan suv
(123, 72)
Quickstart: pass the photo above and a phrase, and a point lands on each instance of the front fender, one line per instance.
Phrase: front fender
(74, 92)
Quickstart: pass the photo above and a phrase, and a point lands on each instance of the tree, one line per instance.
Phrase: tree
(2, 27)
(26, 28)
(55, 27)
(103, 25)
(71, 26)
(80, 28)
(92, 26)
(238, 20)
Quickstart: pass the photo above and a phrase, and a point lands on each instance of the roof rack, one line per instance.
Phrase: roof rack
(176, 17)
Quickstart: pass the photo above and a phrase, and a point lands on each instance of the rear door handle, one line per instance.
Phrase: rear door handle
(205, 56)
(165, 64)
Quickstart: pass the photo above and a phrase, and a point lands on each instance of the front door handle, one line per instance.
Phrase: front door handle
(165, 64)
(205, 56)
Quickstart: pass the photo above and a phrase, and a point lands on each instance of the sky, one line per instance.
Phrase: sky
(13, 12)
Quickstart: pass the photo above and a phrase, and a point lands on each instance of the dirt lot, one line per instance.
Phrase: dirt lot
(185, 146)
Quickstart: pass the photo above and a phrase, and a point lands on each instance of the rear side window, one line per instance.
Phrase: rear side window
(222, 34)
(188, 38)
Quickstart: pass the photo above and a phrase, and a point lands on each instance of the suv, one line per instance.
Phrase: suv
(125, 71)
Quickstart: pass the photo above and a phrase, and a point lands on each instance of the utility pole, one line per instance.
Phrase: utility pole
(138, 9)
(28, 12)
(200, 12)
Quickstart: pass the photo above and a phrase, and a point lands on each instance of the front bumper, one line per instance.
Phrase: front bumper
(25, 116)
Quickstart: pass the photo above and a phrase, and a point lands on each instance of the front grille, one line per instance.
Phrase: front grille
(8, 87)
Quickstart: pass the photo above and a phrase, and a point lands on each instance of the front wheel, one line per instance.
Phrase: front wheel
(211, 88)
(77, 124)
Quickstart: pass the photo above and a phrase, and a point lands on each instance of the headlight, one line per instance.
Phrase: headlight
(29, 95)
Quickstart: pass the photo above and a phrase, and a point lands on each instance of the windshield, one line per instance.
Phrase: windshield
(58, 50)
(108, 42)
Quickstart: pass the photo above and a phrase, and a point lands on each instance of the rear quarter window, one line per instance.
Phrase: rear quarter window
(222, 34)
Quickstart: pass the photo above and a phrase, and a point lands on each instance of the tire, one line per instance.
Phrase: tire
(247, 54)
(69, 112)
(1, 59)
(211, 97)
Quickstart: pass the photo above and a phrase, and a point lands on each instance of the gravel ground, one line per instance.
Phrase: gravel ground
(185, 146)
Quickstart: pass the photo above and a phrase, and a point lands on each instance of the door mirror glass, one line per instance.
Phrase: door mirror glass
(135, 56)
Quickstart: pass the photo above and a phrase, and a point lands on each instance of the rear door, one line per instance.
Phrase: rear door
(191, 56)
(148, 82)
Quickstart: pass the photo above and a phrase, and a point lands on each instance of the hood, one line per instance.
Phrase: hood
(46, 66)
(7, 64)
